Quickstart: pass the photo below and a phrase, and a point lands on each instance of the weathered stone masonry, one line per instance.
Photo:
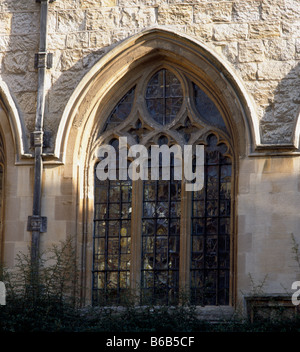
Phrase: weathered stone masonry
(259, 40)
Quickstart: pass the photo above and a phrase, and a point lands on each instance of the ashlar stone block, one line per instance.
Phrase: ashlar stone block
(108, 3)
(98, 39)
(70, 21)
(77, 40)
(230, 31)
(272, 9)
(264, 29)
(13, 5)
(276, 133)
(104, 19)
(27, 101)
(63, 207)
(66, 4)
(291, 10)
(21, 82)
(16, 62)
(87, 4)
(25, 23)
(246, 11)
(57, 41)
(251, 51)
(279, 49)
(203, 31)
(274, 70)
(213, 12)
(248, 70)
(263, 91)
(19, 43)
(71, 59)
(5, 23)
(137, 17)
(175, 15)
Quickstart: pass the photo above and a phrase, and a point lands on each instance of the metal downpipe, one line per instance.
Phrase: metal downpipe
(37, 223)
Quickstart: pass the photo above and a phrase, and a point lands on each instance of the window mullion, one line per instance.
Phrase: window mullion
(185, 239)
(136, 238)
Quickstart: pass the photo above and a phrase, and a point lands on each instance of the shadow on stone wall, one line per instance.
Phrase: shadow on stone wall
(281, 114)
(74, 64)
(19, 41)
(279, 100)
(74, 57)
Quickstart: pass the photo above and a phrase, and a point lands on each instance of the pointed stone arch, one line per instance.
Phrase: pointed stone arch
(13, 151)
(113, 76)
(296, 135)
(12, 122)
(158, 44)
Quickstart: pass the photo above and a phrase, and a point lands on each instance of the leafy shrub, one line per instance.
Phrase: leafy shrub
(47, 303)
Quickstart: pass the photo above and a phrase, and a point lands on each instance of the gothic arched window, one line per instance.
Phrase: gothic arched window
(153, 238)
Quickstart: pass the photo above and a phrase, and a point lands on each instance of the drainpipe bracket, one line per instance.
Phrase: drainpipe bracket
(45, 0)
(37, 138)
(37, 223)
(43, 60)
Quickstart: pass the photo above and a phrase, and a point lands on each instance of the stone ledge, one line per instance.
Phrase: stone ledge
(270, 307)
(211, 314)
(215, 313)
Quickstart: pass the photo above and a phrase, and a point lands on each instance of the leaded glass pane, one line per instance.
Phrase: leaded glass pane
(121, 111)
(112, 241)
(211, 212)
(207, 109)
(164, 96)
(160, 242)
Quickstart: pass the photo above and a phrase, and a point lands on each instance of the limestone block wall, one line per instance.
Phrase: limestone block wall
(258, 39)
(268, 225)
